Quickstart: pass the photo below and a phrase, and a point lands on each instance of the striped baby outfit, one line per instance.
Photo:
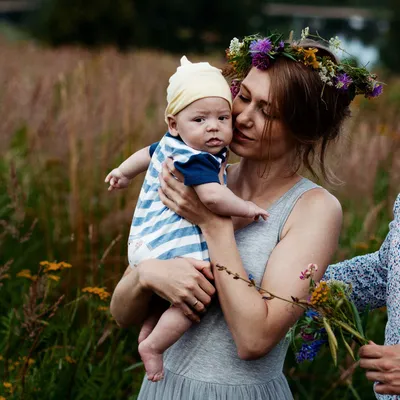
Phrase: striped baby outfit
(156, 231)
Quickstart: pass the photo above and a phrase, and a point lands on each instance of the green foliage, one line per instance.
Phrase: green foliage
(88, 22)
(174, 25)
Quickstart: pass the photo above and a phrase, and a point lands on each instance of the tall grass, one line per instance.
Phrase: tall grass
(66, 118)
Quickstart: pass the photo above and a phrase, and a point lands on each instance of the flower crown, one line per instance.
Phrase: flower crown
(260, 52)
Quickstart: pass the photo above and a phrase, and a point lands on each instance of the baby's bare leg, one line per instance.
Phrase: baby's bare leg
(169, 328)
(148, 325)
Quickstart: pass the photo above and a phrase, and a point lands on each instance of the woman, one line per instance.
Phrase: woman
(282, 116)
(375, 279)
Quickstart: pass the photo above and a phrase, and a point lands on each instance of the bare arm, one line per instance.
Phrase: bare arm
(180, 281)
(138, 162)
(311, 235)
(130, 300)
(220, 200)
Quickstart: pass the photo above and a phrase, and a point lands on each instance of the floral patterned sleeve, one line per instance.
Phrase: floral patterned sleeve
(368, 274)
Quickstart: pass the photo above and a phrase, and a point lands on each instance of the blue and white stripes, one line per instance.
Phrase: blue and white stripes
(156, 231)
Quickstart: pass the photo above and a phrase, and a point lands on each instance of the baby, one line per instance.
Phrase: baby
(199, 130)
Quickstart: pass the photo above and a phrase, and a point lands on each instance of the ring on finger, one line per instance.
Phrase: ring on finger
(194, 304)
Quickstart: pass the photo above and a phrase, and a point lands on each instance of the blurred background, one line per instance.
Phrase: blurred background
(82, 86)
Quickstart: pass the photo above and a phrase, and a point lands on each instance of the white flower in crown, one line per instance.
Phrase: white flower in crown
(335, 43)
(305, 32)
(235, 46)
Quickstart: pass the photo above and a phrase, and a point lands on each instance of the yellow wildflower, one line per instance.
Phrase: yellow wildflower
(53, 266)
(8, 386)
(103, 294)
(310, 58)
(102, 308)
(2, 398)
(70, 360)
(26, 273)
(1, 358)
(320, 293)
(64, 265)
(53, 277)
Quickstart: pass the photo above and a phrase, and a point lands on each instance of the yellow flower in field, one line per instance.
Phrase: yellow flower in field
(2, 398)
(53, 266)
(102, 308)
(1, 358)
(8, 386)
(53, 277)
(103, 294)
(26, 273)
(70, 360)
(64, 265)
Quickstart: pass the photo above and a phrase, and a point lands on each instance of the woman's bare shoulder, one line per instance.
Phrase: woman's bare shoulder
(319, 200)
(316, 207)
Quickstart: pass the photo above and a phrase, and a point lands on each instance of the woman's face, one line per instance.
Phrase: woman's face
(251, 112)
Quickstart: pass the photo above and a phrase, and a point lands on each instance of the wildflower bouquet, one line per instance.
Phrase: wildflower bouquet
(330, 314)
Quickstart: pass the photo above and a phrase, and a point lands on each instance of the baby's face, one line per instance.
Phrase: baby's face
(205, 125)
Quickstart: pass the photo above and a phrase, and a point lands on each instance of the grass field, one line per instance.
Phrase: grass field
(67, 117)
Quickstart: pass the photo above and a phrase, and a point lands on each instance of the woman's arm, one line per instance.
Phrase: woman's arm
(310, 236)
(181, 281)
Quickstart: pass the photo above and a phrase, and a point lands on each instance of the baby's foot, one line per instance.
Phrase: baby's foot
(153, 362)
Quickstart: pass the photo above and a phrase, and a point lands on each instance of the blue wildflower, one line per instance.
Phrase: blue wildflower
(308, 351)
(312, 314)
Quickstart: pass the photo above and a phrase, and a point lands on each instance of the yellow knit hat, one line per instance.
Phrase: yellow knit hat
(195, 81)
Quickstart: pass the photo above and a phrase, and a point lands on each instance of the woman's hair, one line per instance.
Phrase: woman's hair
(312, 111)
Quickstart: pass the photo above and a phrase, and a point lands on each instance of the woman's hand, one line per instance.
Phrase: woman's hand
(181, 281)
(383, 365)
(182, 199)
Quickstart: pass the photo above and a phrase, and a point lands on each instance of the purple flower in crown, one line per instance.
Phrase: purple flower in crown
(259, 50)
(280, 46)
(343, 81)
(377, 91)
(260, 61)
(235, 87)
(261, 46)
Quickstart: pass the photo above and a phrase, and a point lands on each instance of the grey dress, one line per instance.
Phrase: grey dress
(203, 364)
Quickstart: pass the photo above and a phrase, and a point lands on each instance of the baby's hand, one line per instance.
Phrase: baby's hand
(256, 212)
(117, 179)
